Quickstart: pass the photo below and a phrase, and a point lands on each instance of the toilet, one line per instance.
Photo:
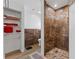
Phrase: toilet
(39, 40)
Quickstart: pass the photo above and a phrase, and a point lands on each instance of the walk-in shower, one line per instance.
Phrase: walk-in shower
(56, 29)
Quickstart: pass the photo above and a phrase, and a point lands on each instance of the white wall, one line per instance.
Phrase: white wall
(32, 14)
(72, 31)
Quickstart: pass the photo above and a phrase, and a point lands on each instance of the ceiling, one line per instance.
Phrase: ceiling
(34, 5)
(56, 4)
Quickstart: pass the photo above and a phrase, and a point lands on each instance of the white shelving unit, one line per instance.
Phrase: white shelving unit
(11, 43)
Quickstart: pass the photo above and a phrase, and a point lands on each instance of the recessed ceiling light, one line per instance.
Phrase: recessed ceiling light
(55, 5)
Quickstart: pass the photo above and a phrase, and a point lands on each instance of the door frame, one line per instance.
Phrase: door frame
(42, 29)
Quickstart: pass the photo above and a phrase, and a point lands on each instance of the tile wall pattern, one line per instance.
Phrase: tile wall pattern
(31, 36)
(56, 28)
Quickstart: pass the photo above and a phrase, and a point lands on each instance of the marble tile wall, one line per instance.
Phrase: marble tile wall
(56, 27)
(31, 36)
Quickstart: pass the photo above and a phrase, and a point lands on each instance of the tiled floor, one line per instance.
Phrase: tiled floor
(35, 55)
(57, 54)
(19, 54)
(53, 54)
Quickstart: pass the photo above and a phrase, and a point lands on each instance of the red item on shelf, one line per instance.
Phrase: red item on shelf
(18, 30)
(8, 29)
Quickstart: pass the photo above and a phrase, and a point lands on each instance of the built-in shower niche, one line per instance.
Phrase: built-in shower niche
(56, 30)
